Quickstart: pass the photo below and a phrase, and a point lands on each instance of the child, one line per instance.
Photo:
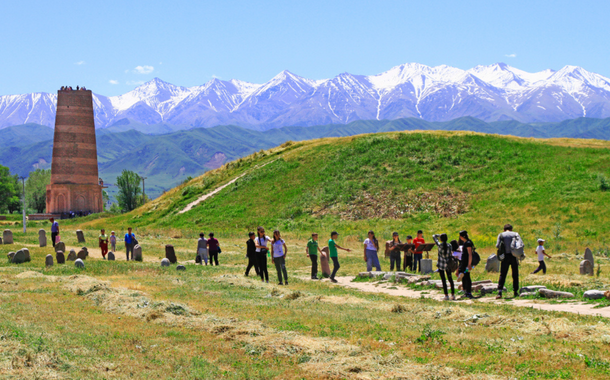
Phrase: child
(418, 256)
(113, 241)
(312, 252)
(334, 255)
(251, 254)
(409, 254)
(103, 243)
(541, 253)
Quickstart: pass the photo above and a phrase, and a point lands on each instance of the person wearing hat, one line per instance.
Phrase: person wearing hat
(541, 253)
(54, 230)
(395, 252)
(213, 249)
(334, 254)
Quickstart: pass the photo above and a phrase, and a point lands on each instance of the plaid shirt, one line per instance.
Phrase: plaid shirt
(443, 257)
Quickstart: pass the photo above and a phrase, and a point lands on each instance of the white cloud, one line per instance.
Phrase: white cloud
(79, 63)
(135, 82)
(511, 55)
(112, 81)
(214, 76)
(143, 69)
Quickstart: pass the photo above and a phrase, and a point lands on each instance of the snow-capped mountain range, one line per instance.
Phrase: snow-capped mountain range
(490, 93)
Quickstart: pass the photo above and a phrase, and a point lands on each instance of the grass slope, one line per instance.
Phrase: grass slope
(437, 181)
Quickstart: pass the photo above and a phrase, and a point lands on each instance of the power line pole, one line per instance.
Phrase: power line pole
(22, 178)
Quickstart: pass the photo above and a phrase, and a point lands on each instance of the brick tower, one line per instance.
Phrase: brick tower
(74, 178)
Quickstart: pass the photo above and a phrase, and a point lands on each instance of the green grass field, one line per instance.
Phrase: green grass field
(139, 320)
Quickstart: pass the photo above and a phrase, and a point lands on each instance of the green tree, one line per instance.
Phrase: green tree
(36, 189)
(129, 195)
(9, 191)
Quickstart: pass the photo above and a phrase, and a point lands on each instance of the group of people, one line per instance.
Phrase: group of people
(69, 88)
(207, 249)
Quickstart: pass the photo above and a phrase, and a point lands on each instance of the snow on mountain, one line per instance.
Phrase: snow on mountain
(440, 93)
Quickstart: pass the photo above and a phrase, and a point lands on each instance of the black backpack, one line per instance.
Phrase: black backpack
(501, 255)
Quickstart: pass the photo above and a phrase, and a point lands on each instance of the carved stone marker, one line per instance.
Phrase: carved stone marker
(7, 237)
(589, 257)
(426, 266)
(110, 256)
(19, 257)
(26, 252)
(79, 263)
(72, 255)
(170, 254)
(324, 257)
(137, 252)
(82, 254)
(10, 256)
(80, 236)
(492, 264)
(42, 238)
(586, 268)
(61, 259)
(61, 246)
(165, 262)
(49, 260)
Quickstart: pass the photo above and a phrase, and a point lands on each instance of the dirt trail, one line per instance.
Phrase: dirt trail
(217, 190)
(387, 288)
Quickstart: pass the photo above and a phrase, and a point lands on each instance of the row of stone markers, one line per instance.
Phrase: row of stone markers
(21, 256)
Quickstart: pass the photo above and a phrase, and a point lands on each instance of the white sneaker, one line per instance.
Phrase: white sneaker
(460, 276)
(446, 298)
(452, 298)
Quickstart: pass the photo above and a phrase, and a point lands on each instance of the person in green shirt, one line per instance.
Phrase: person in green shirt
(103, 243)
(312, 252)
(334, 254)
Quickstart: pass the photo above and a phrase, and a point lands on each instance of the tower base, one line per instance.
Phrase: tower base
(77, 198)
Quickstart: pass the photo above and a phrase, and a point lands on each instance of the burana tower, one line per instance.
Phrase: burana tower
(74, 178)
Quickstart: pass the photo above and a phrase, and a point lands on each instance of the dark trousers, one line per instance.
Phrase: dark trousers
(467, 283)
(262, 265)
(280, 266)
(417, 259)
(395, 259)
(129, 248)
(408, 262)
(336, 266)
(252, 263)
(541, 267)
(444, 280)
(314, 265)
(53, 236)
(213, 257)
(509, 261)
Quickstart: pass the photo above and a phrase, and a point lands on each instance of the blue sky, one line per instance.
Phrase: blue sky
(111, 46)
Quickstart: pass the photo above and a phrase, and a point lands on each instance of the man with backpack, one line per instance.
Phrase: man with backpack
(510, 247)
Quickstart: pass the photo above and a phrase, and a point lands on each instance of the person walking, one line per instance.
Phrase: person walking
(251, 254)
(510, 261)
(312, 252)
(444, 255)
(541, 253)
(213, 249)
(202, 249)
(103, 243)
(278, 257)
(419, 240)
(466, 264)
(54, 231)
(130, 242)
(334, 254)
(395, 252)
(261, 251)
(371, 246)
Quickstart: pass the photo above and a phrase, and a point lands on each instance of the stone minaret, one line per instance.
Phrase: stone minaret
(74, 178)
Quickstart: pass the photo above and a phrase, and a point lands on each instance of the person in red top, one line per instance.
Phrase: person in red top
(419, 240)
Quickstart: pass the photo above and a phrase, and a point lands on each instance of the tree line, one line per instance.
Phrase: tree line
(129, 197)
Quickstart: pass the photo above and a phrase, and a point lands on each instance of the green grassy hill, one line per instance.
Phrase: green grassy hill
(436, 181)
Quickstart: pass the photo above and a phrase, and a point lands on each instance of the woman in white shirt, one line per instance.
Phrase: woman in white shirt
(261, 253)
(278, 252)
(371, 246)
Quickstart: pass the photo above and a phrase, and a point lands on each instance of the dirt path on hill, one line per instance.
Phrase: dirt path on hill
(391, 289)
(217, 190)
